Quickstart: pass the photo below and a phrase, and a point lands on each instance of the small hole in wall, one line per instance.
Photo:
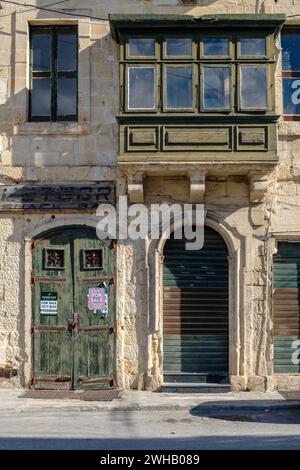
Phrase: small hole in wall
(28, 221)
(52, 217)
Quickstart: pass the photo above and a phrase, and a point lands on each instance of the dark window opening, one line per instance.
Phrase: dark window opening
(53, 73)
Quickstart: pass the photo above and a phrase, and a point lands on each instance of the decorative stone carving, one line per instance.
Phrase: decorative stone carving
(136, 188)
(258, 188)
(197, 188)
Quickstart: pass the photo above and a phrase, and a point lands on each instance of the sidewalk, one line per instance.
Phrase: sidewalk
(10, 402)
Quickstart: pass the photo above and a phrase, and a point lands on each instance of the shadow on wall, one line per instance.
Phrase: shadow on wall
(37, 158)
(35, 151)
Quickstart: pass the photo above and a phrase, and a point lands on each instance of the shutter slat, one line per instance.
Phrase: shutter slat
(286, 307)
(195, 303)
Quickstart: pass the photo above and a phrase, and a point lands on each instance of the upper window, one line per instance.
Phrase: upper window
(53, 73)
(253, 47)
(181, 73)
(215, 47)
(290, 43)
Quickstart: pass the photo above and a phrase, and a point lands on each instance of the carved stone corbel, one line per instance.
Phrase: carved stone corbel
(136, 188)
(197, 188)
(258, 188)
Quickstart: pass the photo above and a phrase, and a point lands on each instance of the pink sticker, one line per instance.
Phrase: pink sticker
(97, 298)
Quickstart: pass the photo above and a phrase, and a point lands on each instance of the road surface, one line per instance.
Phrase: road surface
(145, 430)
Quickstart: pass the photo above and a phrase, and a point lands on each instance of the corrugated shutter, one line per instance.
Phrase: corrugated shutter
(195, 317)
(286, 308)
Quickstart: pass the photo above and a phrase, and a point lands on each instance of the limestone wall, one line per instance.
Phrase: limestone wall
(88, 151)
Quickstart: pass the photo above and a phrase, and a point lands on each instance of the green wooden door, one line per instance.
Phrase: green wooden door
(73, 338)
(286, 308)
(195, 314)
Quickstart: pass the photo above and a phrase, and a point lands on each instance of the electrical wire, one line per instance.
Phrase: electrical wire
(17, 12)
(61, 12)
(72, 14)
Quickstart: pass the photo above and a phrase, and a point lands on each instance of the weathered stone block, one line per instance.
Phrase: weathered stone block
(256, 383)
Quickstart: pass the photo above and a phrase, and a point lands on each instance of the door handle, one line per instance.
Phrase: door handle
(73, 326)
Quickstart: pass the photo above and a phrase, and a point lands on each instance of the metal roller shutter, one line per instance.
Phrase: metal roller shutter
(195, 315)
(286, 308)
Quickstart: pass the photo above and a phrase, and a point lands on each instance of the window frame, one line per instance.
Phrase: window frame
(198, 61)
(54, 75)
(129, 57)
(231, 89)
(170, 58)
(242, 109)
(249, 57)
(213, 58)
(156, 88)
(164, 88)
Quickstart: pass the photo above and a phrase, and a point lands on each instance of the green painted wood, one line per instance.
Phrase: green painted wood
(52, 350)
(56, 354)
(95, 351)
(195, 318)
(122, 23)
(286, 308)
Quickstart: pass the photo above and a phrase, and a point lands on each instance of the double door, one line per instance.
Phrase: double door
(73, 298)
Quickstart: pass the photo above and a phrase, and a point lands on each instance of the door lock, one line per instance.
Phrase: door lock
(73, 326)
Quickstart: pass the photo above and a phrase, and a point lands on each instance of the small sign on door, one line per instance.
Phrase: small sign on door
(98, 299)
(48, 303)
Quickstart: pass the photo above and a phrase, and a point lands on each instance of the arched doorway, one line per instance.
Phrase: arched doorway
(195, 308)
(73, 310)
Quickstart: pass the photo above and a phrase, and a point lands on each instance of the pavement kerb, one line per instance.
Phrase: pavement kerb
(205, 406)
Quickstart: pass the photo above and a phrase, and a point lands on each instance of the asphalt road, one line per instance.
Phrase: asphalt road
(159, 430)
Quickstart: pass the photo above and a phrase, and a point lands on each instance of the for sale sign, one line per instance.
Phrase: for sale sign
(48, 303)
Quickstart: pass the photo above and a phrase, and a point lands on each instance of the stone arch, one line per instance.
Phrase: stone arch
(235, 243)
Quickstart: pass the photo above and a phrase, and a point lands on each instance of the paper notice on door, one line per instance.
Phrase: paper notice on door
(98, 299)
(48, 303)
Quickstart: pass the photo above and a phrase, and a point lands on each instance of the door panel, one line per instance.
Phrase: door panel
(195, 318)
(94, 263)
(52, 273)
(74, 346)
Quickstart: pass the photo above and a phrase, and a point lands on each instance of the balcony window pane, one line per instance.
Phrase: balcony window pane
(143, 47)
(41, 52)
(253, 90)
(66, 52)
(179, 47)
(216, 88)
(41, 97)
(66, 97)
(253, 47)
(141, 88)
(179, 87)
(215, 47)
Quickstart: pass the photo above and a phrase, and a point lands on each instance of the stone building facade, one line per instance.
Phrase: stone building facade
(54, 172)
